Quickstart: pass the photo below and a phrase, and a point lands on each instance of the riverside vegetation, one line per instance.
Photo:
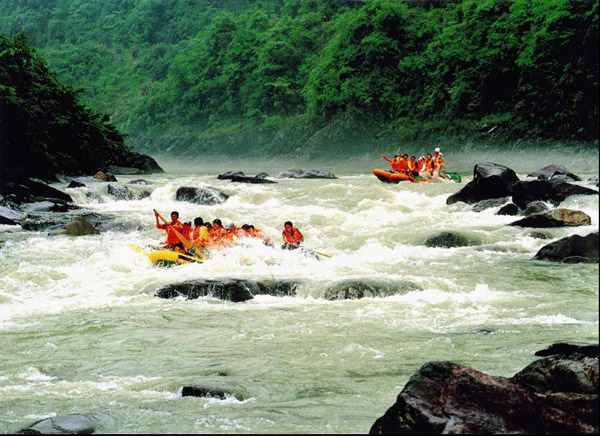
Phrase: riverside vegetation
(273, 76)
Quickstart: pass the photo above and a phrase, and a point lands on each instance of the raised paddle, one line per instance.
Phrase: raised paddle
(187, 244)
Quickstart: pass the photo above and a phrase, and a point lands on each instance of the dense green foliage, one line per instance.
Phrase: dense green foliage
(177, 68)
(44, 129)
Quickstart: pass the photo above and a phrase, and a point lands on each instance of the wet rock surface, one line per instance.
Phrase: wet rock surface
(526, 192)
(64, 424)
(549, 171)
(449, 240)
(572, 249)
(77, 227)
(206, 196)
(490, 180)
(213, 391)
(124, 193)
(235, 290)
(352, 289)
(555, 218)
(508, 209)
(556, 394)
(296, 173)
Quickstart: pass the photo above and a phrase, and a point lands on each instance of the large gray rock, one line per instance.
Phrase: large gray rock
(526, 192)
(549, 171)
(253, 180)
(64, 424)
(295, 173)
(449, 240)
(235, 290)
(228, 175)
(77, 227)
(508, 209)
(124, 193)
(29, 190)
(535, 207)
(9, 216)
(352, 289)
(446, 398)
(555, 218)
(206, 196)
(489, 203)
(572, 249)
(490, 180)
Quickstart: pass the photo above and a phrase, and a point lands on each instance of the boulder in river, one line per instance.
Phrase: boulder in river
(352, 289)
(77, 227)
(235, 290)
(138, 182)
(296, 173)
(9, 216)
(26, 190)
(206, 196)
(211, 391)
(535, 207)
(228, 175)
(556, 394)
(555, 218)
(449, 240)
(75, 184)
(572, 249)
(549, 171)
(526, 192)
(254, 180)
(489, 203)
(64, 424)
(508, 209)
(124, 193)
(105, 177)
(490, 180)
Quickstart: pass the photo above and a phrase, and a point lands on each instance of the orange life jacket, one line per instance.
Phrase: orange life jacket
(292, 237)
(402, 165)
(171, 236)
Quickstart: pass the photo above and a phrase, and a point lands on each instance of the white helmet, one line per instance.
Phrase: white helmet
(437, 150)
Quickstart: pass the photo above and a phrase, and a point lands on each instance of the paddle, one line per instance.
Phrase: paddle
(187, 244)
(323, 254)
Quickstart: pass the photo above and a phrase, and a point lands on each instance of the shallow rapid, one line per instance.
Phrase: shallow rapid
(82, 332)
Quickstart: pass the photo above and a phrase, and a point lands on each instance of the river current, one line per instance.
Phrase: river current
(82, 332)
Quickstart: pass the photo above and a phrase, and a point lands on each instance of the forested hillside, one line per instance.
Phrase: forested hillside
(285, 70)
(45, 129)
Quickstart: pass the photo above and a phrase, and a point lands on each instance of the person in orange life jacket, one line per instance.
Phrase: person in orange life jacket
(172, 242)
(292, 237)
(413, 167)
(393, 162)
(187, 230)
(199, 236)
(402, 166)
(217, 232)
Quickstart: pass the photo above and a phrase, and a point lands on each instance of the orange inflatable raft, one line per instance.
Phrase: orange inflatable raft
(390, 177)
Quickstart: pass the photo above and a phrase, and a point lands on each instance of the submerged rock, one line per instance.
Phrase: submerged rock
(352, 289)
(138, 182)
(64, 424)
(105, 177)
(444, 397)
(526, 192)
(490, 180)
(9, 216)
(77, 227)
(449, 240)
(572, 249)
(555, 218)
(206, 196)
(235, 290)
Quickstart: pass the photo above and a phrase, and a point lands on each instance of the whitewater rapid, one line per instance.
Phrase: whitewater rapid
(83, 332)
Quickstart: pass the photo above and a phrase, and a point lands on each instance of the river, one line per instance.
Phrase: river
(82, 332)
